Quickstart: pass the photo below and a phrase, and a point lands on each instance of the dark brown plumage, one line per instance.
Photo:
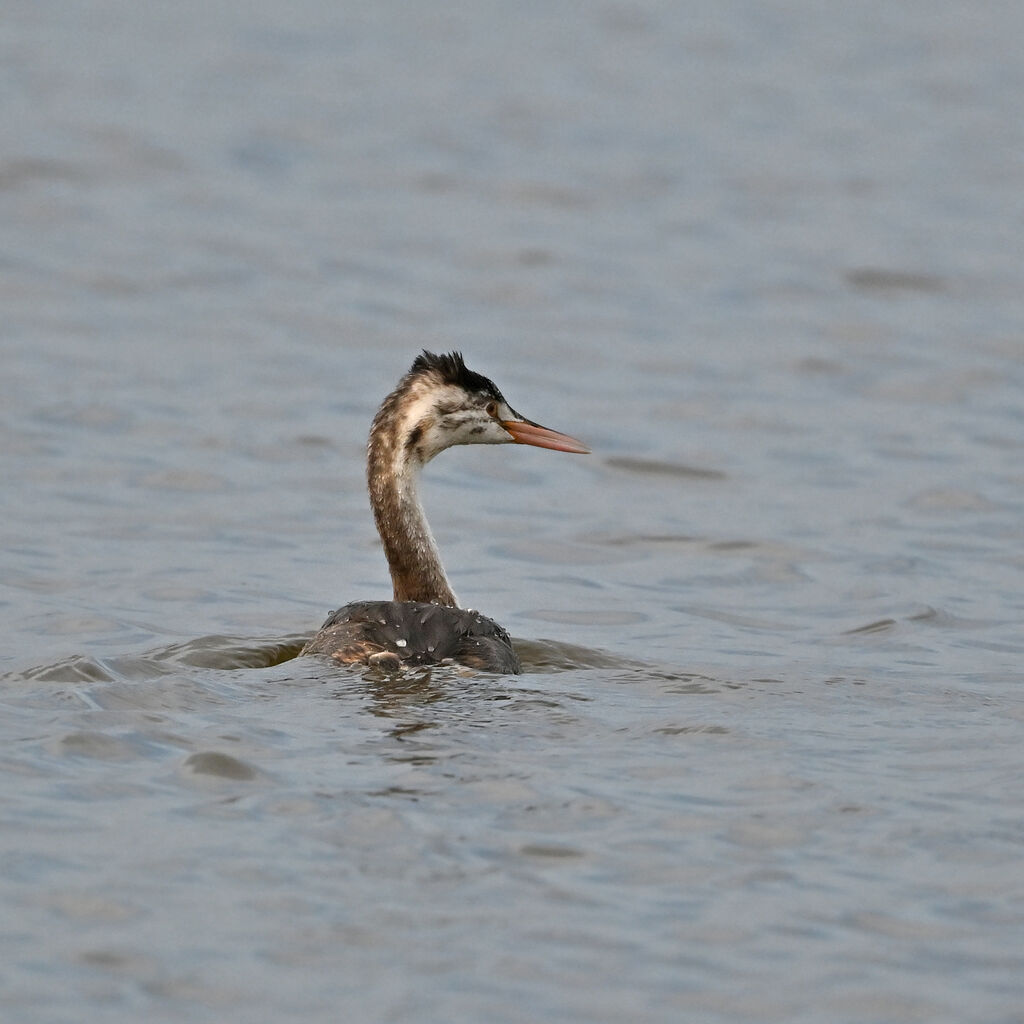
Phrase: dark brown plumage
(415, 632)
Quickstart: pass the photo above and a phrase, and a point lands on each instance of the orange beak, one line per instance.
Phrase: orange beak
(528, 432)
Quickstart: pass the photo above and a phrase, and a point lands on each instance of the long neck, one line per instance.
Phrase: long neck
(393, 476)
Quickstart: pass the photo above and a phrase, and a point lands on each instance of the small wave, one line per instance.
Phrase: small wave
(231, 652)
(78, 668)
(555, 656)
(660, 467)
(216, 652)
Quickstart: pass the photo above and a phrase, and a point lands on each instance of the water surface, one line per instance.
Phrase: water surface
(764, 761)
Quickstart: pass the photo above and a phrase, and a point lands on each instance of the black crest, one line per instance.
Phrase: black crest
(453, 370)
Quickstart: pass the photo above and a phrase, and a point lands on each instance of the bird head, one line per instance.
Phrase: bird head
(444, 403)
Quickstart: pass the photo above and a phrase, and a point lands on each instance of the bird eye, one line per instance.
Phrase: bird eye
(492, 408)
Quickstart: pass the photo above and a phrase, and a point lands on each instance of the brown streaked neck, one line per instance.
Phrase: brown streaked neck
(392, 472)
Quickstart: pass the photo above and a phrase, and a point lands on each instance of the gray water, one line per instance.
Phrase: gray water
(765, 759)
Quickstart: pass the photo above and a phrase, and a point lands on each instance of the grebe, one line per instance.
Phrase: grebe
(437, 404)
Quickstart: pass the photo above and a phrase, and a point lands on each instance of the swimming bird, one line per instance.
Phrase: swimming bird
(439, 403)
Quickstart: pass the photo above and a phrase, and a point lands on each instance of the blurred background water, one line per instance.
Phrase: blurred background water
(765, 760)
